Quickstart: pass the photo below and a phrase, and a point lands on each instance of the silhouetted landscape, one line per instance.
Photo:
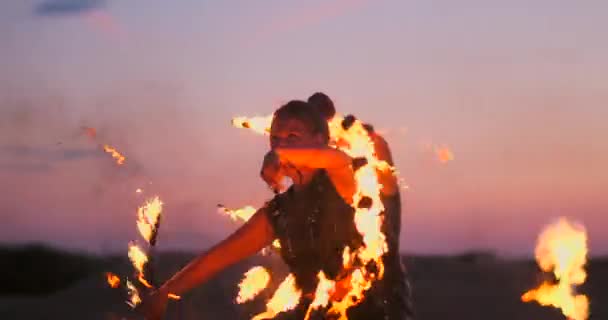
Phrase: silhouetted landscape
(45, 283)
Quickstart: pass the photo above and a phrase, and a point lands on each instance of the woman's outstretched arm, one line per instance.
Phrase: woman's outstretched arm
(254, 235)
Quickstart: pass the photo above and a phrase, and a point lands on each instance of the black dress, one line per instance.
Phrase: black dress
(313, 226)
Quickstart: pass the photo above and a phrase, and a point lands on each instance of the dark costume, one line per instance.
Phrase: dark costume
(313, 226)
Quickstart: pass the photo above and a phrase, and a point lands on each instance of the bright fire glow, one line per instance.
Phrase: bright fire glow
(284, 299)
(259, 124)
(242, 214)
(256, 280)
(356, 142)
(138, 257)
(323, 293)
(148, 216)
(113, 280)
(562, 249)
(120, 159)
(134, 298)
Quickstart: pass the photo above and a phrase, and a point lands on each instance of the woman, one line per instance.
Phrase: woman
(313, 220)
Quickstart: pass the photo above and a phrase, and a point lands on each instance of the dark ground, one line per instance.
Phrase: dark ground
(40, 283)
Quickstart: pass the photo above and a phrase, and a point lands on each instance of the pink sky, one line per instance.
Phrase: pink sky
(518, 94)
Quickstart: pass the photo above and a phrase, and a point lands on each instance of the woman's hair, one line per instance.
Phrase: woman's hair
(305, 113)
(323, 104)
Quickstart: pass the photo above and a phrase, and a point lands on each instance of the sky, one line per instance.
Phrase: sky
(516, 90)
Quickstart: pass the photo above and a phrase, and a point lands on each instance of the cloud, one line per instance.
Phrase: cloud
(67, 7)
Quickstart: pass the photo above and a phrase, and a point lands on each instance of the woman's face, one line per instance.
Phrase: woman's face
(293, 133)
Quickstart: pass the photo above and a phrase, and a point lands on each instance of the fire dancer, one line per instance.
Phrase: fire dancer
(313, 220)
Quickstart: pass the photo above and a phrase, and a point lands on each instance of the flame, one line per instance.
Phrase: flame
(562, 249)
(284, 299)
(134, 298)
(148, 216)
(120, 159)
(444, 154)
(138, 257)
(113, 280)
(356, 142)
(243, 214)
(325, 288)
(259, 124)
(256, 280)
(138, 190)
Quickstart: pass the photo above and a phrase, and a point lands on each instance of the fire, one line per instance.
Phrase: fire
(284, 299)
(134, 298)
(322, 294)
(138, 257)
(562, 250)
(243, 214)
(355, 142)
(113, 280)
(120, 159)
(259, 124)
(148, 217)
(256, 280)
(444, 154)
(138, 190)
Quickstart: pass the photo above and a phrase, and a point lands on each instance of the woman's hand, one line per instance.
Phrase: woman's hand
(154, 305)
(272, 172)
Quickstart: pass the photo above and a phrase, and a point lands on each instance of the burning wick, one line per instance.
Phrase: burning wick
(562, 250)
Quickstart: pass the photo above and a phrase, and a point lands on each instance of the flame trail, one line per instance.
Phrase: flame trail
(284, 299)
(243, 214)
(259, 124)
(120, 159)
(256, 280)
(562, 249)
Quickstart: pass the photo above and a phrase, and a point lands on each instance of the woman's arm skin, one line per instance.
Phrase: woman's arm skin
(250, 238)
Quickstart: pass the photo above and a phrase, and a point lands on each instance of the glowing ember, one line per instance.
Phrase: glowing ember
(260, 125)
(284, 299)
(173, 296)
(148, 216)
(134, 298)
(444, 154)
(120, 159)
(90, 132)
(138, 190)
(242, 214)
(113, 280)
(256, 280)
(562, 249)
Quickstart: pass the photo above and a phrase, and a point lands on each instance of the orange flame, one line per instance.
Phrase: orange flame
(243, 214)
(284, 299)
(138, 257)
(259, 124)
(134, 298)
(562, 249)
(322, 295)
(120, 159)
(256, 280)
(148, 216)
(355, 142)
(113, 280)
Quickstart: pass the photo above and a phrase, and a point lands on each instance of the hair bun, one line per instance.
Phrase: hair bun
(323, 104)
